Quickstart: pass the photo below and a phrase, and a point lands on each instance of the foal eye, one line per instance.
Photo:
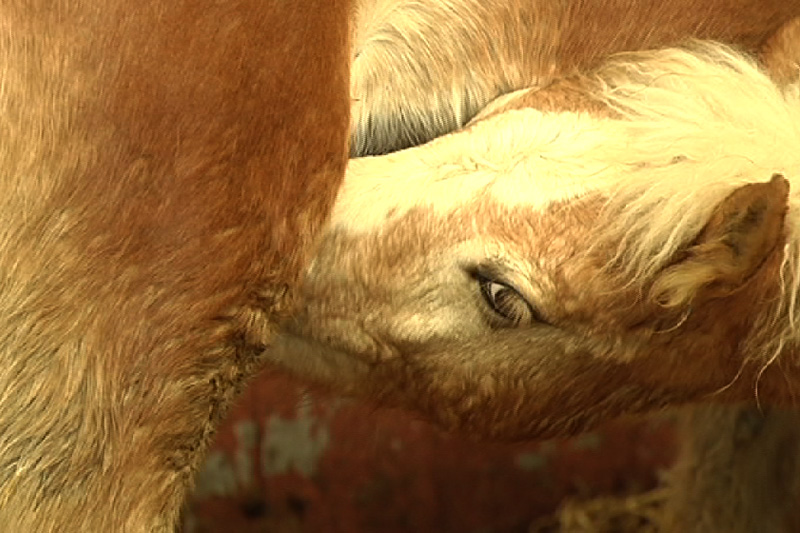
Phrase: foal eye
(506, 302)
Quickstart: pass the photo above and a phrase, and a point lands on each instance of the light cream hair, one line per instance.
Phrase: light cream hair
(706, 119)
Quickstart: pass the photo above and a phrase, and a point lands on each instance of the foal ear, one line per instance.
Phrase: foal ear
(741, 233)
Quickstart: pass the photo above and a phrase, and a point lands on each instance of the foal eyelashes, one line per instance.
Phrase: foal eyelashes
(505, 301)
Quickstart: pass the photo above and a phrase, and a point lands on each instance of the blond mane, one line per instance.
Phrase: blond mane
(703, 120)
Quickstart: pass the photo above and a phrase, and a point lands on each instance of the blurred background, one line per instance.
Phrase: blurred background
(295, 459)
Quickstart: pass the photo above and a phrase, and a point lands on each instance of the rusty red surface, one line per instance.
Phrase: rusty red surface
(292, 459)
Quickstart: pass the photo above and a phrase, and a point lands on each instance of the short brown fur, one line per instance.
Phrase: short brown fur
(166, 168)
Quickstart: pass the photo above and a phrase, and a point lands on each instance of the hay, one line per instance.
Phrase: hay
(638, 513)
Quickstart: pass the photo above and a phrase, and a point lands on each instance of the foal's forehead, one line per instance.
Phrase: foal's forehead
(521, 158)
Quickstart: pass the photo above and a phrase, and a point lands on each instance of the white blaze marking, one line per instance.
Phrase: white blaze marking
(522, 157)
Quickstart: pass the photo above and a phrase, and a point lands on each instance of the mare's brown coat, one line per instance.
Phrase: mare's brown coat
(166, 166)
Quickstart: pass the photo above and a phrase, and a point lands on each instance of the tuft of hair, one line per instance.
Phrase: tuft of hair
(703, 120)
(422, 69)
